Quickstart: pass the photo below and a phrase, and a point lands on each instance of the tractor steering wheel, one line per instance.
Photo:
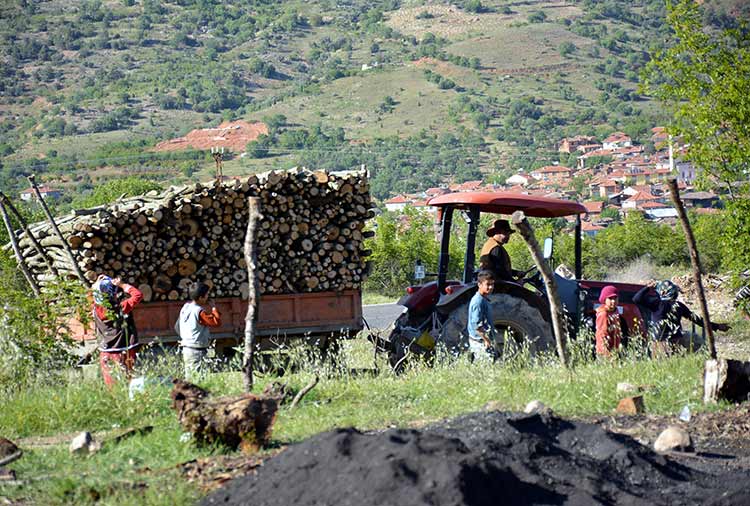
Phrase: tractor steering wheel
(535, 279)
(527, 272)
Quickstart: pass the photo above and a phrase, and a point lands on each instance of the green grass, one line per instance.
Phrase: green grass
(142, 469)
(376, 298)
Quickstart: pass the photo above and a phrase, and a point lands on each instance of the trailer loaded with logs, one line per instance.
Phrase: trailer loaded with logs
(310, 250)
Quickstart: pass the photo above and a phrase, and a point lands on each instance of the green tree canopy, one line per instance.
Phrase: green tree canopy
(112, 190)
(704, 79)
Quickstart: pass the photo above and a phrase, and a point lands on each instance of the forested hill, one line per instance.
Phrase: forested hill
(420, 92)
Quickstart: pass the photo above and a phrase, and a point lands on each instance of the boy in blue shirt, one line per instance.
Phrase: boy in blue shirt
(480, 327)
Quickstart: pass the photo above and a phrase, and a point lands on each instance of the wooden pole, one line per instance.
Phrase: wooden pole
(251, 259)
(558, 323)
(79, 273)
(17, 251)
(674, 194)
(38, 247)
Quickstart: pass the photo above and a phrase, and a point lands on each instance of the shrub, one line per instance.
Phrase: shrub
(537, 17)
(34, 335)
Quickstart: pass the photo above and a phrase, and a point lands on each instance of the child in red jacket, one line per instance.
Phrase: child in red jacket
(608, 329)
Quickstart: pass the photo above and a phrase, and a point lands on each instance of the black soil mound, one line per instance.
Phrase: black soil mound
(480, 459)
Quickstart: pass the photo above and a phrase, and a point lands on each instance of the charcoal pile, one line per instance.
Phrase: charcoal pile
(310, 236)
(484, 458)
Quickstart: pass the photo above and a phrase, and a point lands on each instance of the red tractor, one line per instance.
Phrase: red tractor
(437, 312)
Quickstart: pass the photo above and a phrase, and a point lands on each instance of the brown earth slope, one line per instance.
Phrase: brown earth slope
(230, 135)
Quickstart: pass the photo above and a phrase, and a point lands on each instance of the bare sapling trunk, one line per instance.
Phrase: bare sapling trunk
(17, 251)
(558, 323)
(674, 193)
(21, 221)
(251, 260)
(74, 263)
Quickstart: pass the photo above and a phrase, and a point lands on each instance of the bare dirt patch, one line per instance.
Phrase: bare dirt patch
(721, 438)
(446, 21)
(450, 22)
(231, 135)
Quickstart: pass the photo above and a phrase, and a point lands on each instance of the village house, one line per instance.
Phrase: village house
(587, 148)
(397, 203)
(594, 208)
(435, 192)
(45, 191)
(616, 153)
(605, 188)
(617, 140)
(571, 144)
(468, 186)
(520, 179)
(638, 199)
(659, 137)
(552, 172)
(657, 211)
(590, 229)
(699, 199)
(686, 171)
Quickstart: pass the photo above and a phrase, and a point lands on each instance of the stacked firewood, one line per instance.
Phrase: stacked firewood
(310, 236)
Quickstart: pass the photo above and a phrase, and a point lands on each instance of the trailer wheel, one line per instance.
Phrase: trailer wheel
(516, 321)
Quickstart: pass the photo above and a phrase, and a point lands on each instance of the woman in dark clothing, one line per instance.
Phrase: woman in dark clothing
(667, 313)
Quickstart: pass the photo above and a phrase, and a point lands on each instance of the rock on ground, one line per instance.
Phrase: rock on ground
(480, 459)
(83, 444)
(7, 448)
(535, 407)
(673, 438)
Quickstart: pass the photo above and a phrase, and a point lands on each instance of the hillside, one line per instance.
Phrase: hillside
(421, 92)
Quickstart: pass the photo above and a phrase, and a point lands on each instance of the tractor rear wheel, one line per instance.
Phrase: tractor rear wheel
(518, 325)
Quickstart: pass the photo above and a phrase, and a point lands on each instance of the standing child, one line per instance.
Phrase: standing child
(114, 326)
(480, 327)
(192, 327)
(608, 328)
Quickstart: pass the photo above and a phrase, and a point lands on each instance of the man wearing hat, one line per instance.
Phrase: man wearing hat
(493, 256)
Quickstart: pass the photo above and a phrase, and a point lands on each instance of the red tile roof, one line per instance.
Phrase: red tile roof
(551, 169)
(642, 196)
(617, 137)
(652, 205)
(398, 199)
(593, 206)
(588, 226)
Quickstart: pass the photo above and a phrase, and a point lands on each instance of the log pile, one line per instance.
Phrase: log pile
(310, 236)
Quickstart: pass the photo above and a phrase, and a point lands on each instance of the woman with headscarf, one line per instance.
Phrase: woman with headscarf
(667, 313)
(114, 326)
(608, 327)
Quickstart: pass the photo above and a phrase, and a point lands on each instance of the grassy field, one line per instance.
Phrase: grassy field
(145, 469)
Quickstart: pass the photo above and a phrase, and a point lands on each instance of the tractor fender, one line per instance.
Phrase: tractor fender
(448, 303)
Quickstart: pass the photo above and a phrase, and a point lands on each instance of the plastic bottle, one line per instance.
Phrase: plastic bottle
(685, 414)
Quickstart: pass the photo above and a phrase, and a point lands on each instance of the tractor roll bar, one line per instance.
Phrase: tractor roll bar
(579, 264)
(471, 241)
(445, 237)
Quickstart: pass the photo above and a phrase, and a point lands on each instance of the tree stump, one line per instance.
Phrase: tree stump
(243, 421)
(726, 380)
